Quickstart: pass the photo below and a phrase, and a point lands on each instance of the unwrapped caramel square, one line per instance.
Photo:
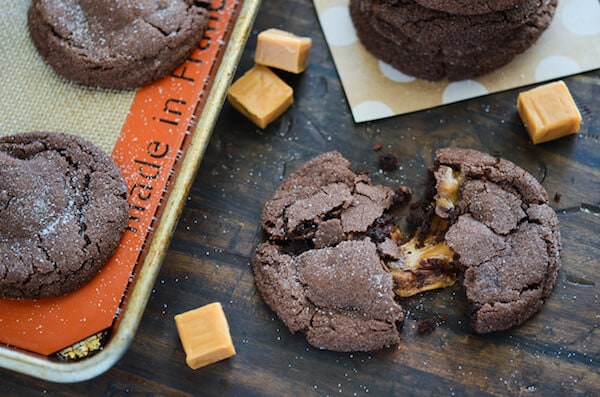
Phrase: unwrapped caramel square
(548, 112)
(204, 334)
(260, 95)
(282, 50)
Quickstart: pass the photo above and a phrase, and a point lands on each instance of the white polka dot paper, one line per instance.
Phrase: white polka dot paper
(376, 90)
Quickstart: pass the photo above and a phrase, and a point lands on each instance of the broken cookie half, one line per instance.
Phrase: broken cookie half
(321, 270)
(335, 263)
(493, 218)
(504, 234)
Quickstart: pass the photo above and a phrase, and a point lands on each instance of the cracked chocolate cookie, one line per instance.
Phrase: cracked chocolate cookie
(321, 269)
(335, 258)
(434, 45)
(116, 44)
(63, 210)
(503, 232)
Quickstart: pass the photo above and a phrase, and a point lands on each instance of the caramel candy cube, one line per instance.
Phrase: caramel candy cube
(548, 112)
(204, 334)
(282, 50)
(260, 95)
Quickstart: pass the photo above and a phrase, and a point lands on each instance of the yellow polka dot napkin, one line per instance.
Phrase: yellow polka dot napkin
(375, 90)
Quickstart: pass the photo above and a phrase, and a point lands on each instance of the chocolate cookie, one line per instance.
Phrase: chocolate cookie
(440, 30)
(505, 236)
(116, 44)
(444, 51)
(321, 269)
(63, 209)
(470, 7)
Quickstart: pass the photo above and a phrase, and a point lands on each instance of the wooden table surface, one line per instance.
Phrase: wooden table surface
(555, 353)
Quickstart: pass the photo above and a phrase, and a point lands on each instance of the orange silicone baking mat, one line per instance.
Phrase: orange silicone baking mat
(147, 131)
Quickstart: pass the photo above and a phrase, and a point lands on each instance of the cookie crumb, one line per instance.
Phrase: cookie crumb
(557, 196)
(426, 326)
(377, 147)
(388, 161)
(403, 195)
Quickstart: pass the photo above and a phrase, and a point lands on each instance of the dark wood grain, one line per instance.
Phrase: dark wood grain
(556, 353)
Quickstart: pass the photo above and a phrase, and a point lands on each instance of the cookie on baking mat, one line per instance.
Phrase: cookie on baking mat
(63, 210)
(116, 44)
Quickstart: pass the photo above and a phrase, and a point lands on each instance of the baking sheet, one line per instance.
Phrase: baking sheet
(135, 126)
(375, 90)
